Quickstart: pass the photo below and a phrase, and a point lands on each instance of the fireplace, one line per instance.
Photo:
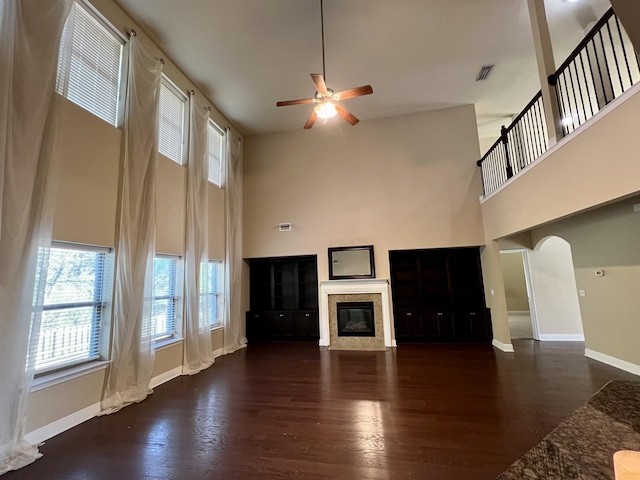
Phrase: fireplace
(356, 319)
(370, 293)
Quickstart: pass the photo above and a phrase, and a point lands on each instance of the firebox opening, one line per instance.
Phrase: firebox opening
(355, 319)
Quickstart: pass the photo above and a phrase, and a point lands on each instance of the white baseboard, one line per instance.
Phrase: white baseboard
(613, 361)
(62, 425)
(218, 353)
(505, 347)
(165, 377)
(518, 312)
(561, 337)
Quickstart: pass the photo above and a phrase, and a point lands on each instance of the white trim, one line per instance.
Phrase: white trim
(613, 361)
(61, 376)
(218, 353)
(518, 312)
(505, 347)
(62, 425)
(168, 342)
(165, 377)
(578, 131)
(561, 337)
(356, 286)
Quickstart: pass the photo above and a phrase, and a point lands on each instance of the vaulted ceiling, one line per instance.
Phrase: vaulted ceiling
(245, 55)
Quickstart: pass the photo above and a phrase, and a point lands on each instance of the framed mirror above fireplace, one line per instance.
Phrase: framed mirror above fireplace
(351, 262)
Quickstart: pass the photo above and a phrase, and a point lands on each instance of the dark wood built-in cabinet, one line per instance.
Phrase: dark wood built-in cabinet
(438, 296)
(284, 299)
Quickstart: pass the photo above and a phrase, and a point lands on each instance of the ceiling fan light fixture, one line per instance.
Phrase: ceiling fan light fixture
(326, 110)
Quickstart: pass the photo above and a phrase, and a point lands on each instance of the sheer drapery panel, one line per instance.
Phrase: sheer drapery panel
(30, 33)
(132, 347)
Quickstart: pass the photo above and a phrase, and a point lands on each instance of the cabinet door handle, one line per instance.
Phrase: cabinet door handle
(408, 314)
(472, 313)
(282, 314)
(440, 313)
(306, 315)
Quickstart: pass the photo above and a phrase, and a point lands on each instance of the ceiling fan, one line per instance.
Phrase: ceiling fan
(326, 99)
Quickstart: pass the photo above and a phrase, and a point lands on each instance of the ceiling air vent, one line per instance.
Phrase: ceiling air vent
(284, 227)
(484, 73)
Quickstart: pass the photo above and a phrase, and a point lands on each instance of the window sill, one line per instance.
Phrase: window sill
(215, 328)
(168, 342)
(55, 378)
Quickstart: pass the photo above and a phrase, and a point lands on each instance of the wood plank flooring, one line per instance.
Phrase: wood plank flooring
(292, 411)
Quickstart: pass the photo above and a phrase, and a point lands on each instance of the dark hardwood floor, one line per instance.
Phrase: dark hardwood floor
(283, 411)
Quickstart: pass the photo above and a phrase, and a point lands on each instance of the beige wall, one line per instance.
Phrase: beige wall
(396, 183)
(515, 285)
(554, 288)
(58, 401)
(86, 213)
(606, 238)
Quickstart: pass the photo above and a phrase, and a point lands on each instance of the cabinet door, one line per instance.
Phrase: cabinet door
(307, 326)
(281, 325)
(472, 326)
(446, 325)
(430, 320)
(409, 325)
(480, 326)
(257, 326)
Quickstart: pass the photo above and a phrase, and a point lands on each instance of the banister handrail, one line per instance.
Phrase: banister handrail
(583, 44)
(602, 67)
(512, 125)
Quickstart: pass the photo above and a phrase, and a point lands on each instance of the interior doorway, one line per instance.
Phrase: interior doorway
(519, 294)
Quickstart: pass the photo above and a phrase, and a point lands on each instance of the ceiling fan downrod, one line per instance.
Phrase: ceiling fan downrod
(324, 73)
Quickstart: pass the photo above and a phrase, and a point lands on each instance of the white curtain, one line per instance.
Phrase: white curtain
(132, 348)
(234, 337)
(198, 353)
(30, 34)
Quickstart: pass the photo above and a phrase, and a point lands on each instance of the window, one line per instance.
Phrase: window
(89, 73)
(215, 292)
(216, 137)
(167, 285)
(171, 129)
(74, 303)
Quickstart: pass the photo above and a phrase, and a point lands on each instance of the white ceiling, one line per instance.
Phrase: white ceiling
(246, 55)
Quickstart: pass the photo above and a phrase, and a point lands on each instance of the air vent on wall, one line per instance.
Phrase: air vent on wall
(484, 72)
(284, 227)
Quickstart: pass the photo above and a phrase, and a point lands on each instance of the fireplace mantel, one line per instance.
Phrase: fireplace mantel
(354, 287)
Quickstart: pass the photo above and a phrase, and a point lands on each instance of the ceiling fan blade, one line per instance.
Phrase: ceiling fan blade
(302, 101)
(320, 85)
(344, 113)
(311, 121)
(353, 92)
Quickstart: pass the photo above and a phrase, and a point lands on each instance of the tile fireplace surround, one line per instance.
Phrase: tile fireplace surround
(374, 290)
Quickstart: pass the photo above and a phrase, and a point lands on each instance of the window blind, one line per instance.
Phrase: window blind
(215, 292)
(89, 73)
(215, 152)
(73, 305)
(167, 285)
(171, 126)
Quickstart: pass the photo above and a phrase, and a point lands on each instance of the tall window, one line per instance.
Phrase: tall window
(89, 73)
(216, 137)
(215, 292)
(74, 302)
(173, 104)
(167, 285)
